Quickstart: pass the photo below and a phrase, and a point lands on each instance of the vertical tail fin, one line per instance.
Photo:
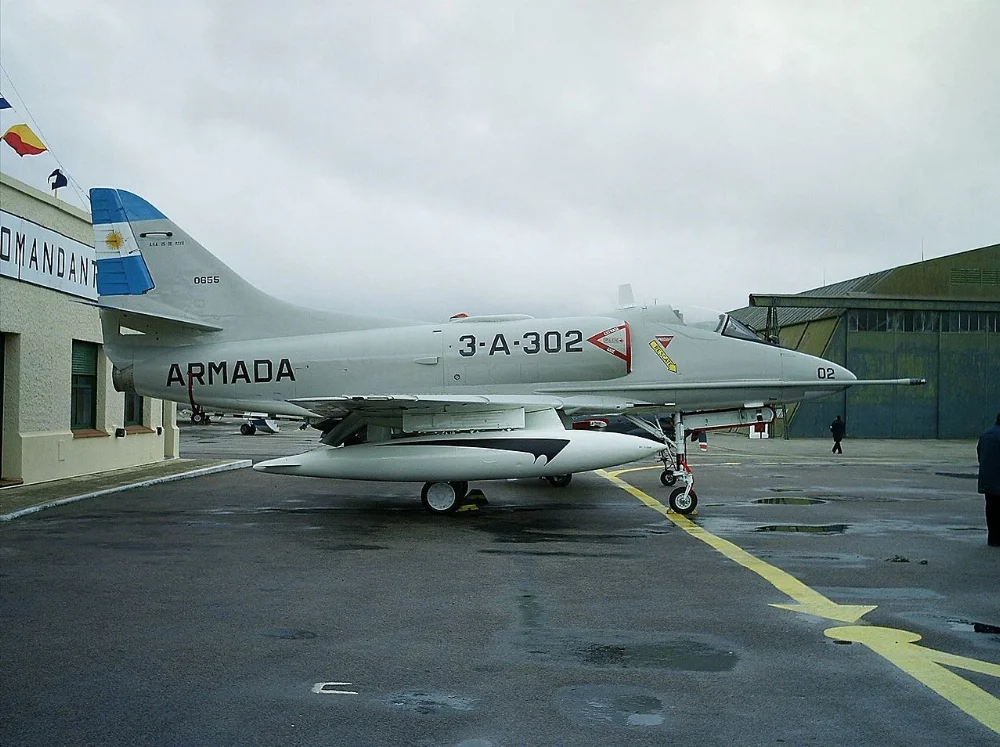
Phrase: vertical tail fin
(150, 270)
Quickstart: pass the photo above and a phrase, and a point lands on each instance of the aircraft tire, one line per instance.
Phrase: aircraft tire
(683, 504)
(198, 417)
(668, 478)
(443, 497)
(248, 429)
(559, 481)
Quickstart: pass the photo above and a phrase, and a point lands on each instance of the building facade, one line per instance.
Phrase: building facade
(60, 415)
(938, 319)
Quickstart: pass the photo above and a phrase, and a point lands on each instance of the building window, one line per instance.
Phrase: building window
(83, 396)
(968, 321)
(133, 409)
(873, 320)
(919, 321)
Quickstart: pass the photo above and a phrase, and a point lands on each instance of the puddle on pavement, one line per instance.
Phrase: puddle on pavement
(805, 528)
(430, 703)
(557, 553)
(514, 532)
(619, 650)
(841, 560)
(967, 626)
(790, 501)
(611, 705)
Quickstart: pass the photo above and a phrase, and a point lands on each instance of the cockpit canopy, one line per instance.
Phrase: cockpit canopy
(715, 321)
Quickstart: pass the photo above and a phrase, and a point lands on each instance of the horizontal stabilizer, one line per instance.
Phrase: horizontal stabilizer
(152, 316)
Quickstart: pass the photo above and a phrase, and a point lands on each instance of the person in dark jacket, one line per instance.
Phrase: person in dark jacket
(988, 450)
(838, 427)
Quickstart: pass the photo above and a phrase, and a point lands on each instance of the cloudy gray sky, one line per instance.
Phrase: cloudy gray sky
(423, 158)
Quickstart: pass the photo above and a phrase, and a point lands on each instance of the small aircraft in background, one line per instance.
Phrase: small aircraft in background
(474, 398)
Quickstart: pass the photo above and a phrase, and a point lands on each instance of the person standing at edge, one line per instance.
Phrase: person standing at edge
(988, 450)
(838, 428)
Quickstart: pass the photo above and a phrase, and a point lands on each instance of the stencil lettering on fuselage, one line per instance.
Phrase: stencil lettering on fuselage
(659, 346)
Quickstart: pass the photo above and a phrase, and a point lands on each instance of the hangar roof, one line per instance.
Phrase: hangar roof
(756, 316)
(971, 276)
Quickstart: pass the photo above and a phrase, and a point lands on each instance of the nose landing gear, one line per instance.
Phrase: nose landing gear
(683, 499)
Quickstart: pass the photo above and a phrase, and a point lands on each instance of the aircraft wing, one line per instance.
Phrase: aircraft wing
(373, 406)
(721, 385)
(429, 404)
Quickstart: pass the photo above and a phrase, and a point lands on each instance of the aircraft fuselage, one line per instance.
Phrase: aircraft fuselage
(573, 357)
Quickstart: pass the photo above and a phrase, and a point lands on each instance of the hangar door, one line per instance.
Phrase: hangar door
(952, 350)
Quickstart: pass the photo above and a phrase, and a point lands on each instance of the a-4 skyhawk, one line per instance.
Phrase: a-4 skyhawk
(474, 398)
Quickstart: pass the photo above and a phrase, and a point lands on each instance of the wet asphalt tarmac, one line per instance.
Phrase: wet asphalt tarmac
(252, 609)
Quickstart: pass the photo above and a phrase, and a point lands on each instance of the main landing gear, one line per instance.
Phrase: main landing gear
(199, 416)
(683, 499)
(449, 497)
(443, 497)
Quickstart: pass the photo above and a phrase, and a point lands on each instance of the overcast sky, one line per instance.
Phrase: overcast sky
(421, 159)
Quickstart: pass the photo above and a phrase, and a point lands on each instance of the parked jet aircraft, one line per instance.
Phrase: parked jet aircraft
(475, 398)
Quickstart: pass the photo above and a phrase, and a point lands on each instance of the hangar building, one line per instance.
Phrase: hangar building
(59, 413)
(938, 319)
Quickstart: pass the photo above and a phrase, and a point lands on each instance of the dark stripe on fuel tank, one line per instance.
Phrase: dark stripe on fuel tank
(547, 447)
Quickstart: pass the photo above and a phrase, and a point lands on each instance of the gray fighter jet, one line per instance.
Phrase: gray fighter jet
(474, 398)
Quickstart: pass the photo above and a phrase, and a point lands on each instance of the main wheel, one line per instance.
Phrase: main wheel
(559, 481)
(198, 417)
(683, 504)
(248, 429)
(443, 497)
(668, 478)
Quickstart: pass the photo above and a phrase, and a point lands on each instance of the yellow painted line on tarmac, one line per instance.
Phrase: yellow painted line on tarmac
(602, 473)
(925, 665)
(806, 600)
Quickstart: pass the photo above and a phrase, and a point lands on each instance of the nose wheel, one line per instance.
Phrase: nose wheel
(683, 500)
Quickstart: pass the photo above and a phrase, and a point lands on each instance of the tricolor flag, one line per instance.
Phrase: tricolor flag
(23, 140)
(4, 103)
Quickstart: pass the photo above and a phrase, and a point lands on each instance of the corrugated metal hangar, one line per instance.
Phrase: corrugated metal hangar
(938, 319)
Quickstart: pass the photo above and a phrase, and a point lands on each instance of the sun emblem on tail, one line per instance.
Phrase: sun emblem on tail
(114, 240)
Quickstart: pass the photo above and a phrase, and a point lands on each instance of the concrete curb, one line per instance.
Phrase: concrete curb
(239, 464)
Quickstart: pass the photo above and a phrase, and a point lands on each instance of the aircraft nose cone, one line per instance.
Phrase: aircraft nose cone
(844, 374)
(804, 367)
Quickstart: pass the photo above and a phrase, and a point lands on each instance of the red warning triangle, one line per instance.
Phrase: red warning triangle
(617, 341)
(664, 340)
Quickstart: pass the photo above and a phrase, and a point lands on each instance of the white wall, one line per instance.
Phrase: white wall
(39, 326)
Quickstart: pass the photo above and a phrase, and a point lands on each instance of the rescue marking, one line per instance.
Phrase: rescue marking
(659, 347)
(925, 665)
(617, 341)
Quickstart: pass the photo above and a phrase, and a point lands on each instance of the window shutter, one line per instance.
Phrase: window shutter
(84, 358)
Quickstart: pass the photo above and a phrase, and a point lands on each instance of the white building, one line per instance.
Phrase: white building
(60, 415)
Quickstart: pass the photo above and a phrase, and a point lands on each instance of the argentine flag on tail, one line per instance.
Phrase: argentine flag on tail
(121, 270)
